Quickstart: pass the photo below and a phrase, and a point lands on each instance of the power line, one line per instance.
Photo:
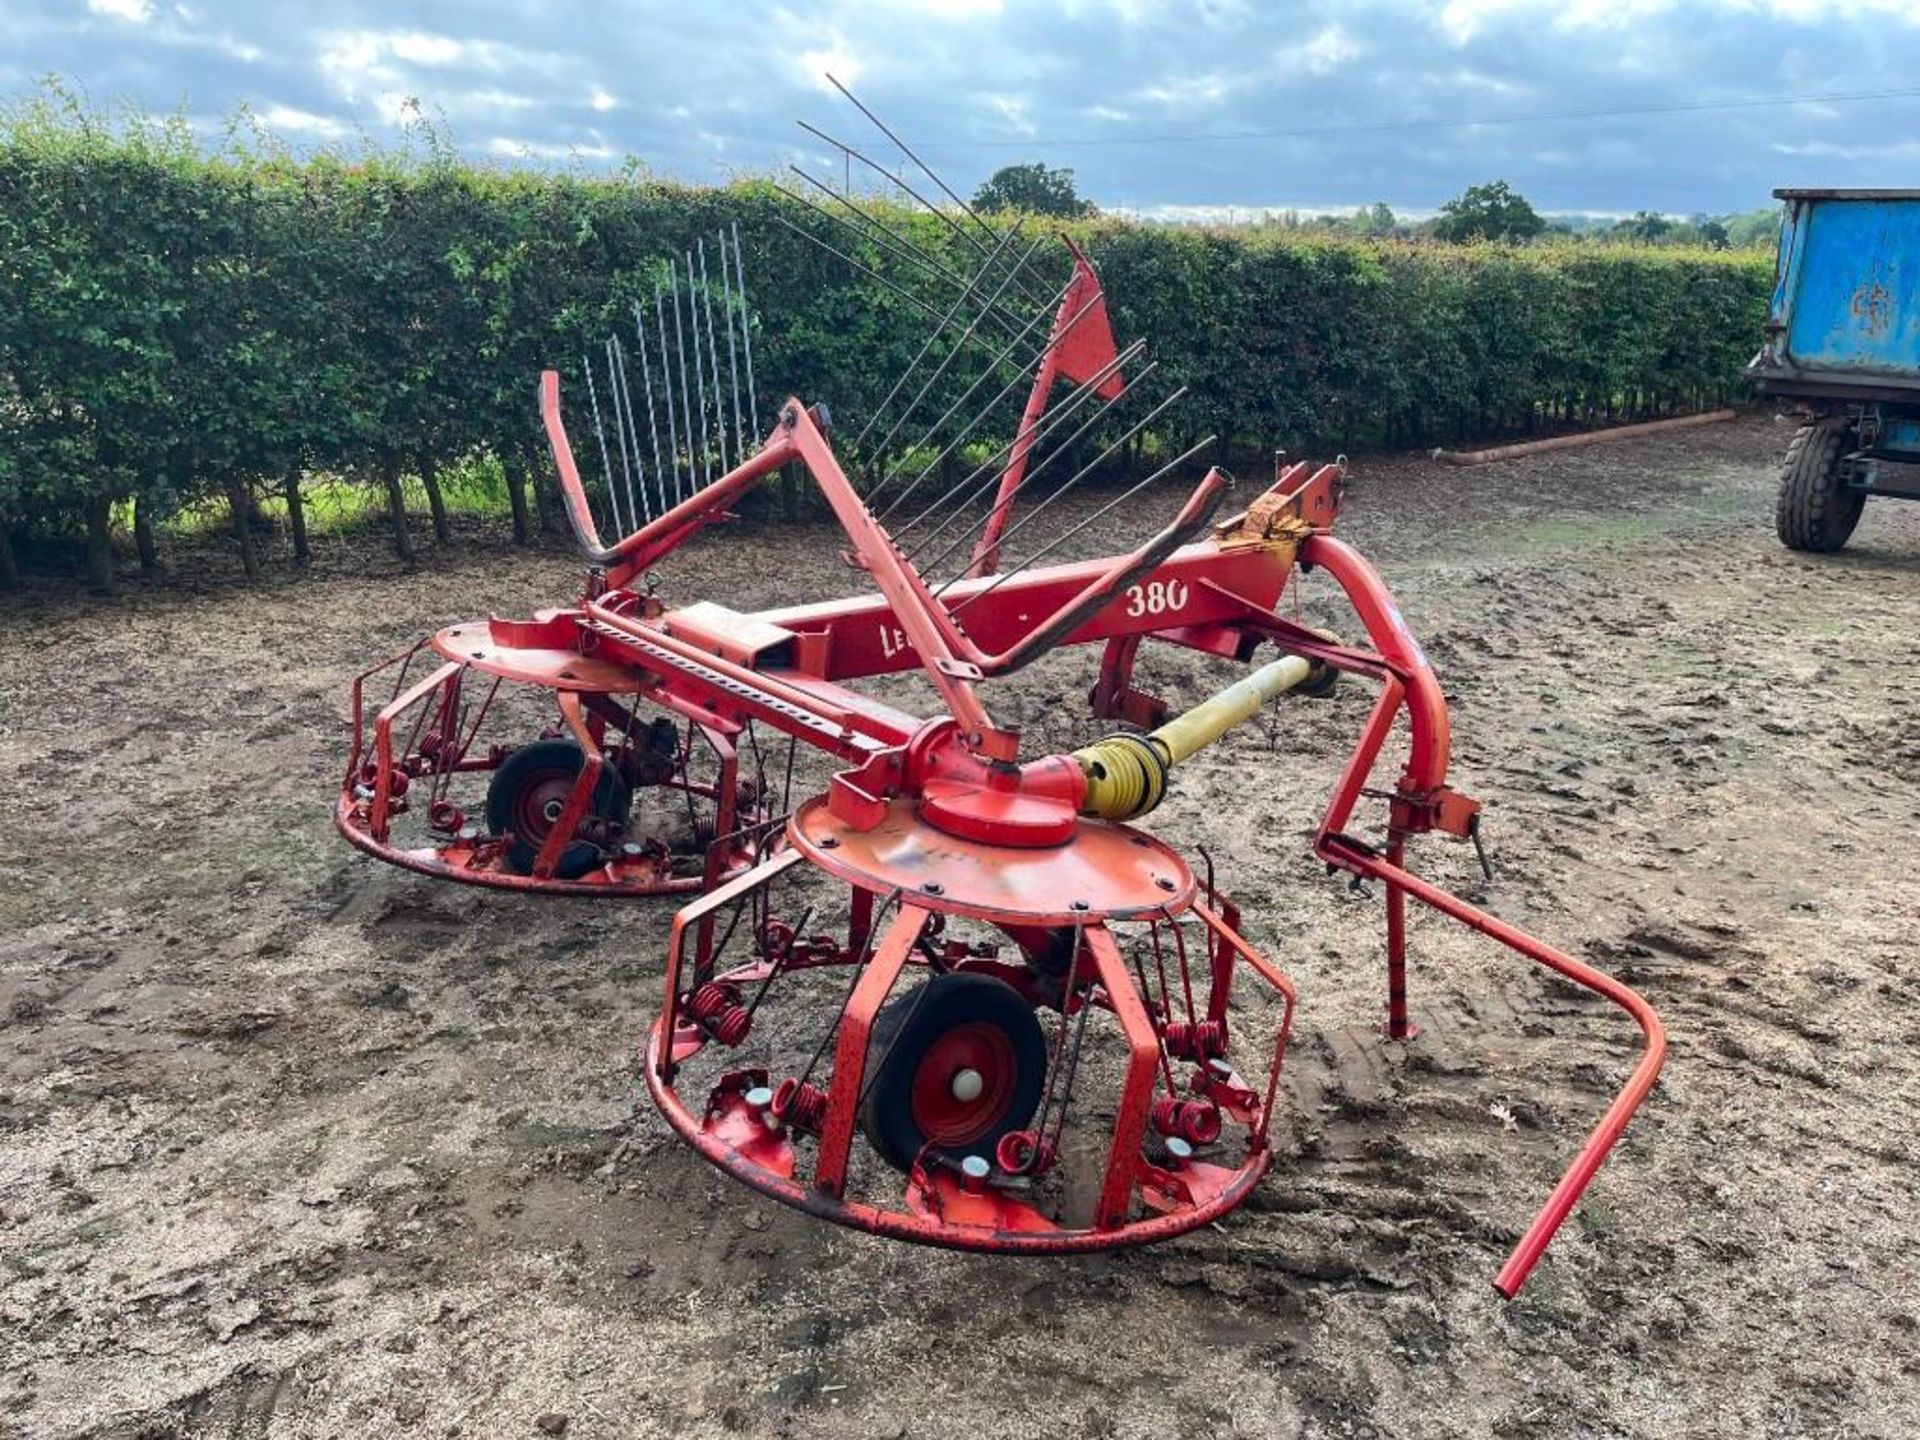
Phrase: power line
(1041, 142)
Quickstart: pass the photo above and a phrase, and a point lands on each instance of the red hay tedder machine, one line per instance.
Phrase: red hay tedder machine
(1034, 1026)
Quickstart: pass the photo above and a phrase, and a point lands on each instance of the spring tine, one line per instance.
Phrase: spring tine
(860, 265)
(1064, 536)
(653, 421)
(1082, 473)
(908, 151)
(938, 330)
(620, 442)
(746, 335)
(600, 430)
(713, 361)
(620, 429)
(733, 354)
(901, 380)
(699, 379)
(925, 169)
(1020, 377)
(992, 476)
(893, 179)
(666, 382)
(696, 308)
(680, 359)
(989, 473)
(638, 482)
(871, 229)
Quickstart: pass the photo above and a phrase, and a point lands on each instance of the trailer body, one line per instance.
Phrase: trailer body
(1843, 345)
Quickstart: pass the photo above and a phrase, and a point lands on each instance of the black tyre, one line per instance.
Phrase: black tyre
(954, 1064)
(1817, 509)
(527, 794)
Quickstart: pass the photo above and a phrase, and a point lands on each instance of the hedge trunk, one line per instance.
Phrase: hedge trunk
(517, 499)
(396, 505)
(543, 501)
(143, 537)
(100, 543)
(240, 508)
(436, 502)
(297, 518)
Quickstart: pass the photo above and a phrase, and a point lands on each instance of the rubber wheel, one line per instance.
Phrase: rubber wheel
(1817, 509)
(953, 1064)
(525, 797)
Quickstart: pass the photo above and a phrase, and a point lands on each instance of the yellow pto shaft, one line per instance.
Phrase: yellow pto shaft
(1127, 774)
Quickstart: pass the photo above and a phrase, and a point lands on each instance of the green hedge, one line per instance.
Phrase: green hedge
(181, 328)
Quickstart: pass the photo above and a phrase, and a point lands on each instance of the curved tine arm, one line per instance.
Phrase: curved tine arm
(1098, 593)
(1593, 1154)
(664, 532)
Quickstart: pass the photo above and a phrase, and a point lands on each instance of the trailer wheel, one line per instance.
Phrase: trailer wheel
(1817, 509)
(953, 1064)
(527, 793)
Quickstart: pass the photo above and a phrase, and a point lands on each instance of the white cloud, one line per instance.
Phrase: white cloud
(138, 11)
(1013, 110)
(1328, 50)
(422, 49)
(601, 100)
(547, 150)
(300, 122)
(1819, 150)
(835, 58)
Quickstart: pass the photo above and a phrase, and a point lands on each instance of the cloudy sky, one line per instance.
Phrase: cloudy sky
(1165, 106)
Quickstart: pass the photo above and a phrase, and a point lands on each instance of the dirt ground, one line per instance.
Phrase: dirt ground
(295, 1144)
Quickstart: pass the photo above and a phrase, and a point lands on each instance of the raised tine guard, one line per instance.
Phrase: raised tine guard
(997, 917)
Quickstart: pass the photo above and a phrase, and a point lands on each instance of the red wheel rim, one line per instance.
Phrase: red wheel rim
(538, 802)
(964, 1083)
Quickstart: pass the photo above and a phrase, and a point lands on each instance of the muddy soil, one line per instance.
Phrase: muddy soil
(295, 1144)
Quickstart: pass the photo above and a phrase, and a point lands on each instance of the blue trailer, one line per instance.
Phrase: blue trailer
(1843, 343)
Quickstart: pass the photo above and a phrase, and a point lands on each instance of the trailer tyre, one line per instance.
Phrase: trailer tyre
(1817, 509)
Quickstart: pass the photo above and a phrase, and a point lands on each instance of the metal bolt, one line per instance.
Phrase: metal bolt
(760, 1097)
(1178, 1151)
(1163, 882)
(829, 842)
(974, 1170)
(1079, 905)
(934, 887)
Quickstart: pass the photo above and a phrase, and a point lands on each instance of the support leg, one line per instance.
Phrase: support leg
(1399, 1025)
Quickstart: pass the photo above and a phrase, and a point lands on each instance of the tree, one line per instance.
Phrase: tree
(1646, 225)
(1376, 219)
(1035, 188)
(1494, 211)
